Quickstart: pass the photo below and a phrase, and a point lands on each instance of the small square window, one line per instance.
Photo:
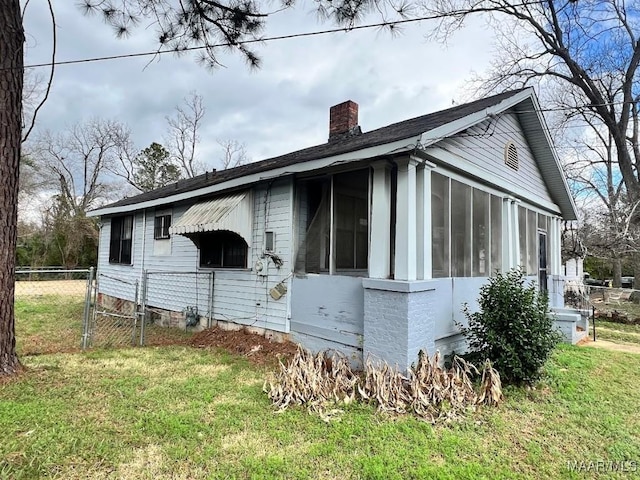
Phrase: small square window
(161, 227)
(269, 241)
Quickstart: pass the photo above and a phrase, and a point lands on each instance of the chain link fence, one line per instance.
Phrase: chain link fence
(60, 310)
(625, 301)
(180, 300)
(52, 309)
(620, 304)
(116, 319)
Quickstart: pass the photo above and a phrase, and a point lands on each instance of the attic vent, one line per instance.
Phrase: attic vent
(511, 156)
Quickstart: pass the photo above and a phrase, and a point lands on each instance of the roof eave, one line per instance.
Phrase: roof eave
(562, 193)
(393, 148)
(440, 133)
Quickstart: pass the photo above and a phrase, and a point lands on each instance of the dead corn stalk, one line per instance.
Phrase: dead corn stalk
(429, 390)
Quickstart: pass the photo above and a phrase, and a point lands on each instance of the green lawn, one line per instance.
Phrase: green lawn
(48, 324)
(54, 323)
(178, 412)
(617, 332)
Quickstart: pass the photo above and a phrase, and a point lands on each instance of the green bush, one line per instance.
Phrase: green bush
(512, 328)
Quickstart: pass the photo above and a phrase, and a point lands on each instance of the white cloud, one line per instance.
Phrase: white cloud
(279, 108)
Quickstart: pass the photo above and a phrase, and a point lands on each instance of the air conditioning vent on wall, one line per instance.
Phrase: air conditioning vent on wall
(511, 156)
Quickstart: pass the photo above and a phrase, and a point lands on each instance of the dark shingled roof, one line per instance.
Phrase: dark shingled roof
(390, 133)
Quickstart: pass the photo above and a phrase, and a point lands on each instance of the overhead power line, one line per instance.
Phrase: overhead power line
(228, 44)
(391, 23)
(293, 36)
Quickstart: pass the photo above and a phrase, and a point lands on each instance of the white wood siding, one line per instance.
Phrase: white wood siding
(115, 279)
(483, 145)
(239, 295)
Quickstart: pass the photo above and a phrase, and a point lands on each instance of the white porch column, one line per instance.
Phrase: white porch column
(507, 227)
(555, 246)
(405, 254)
(510, 234)
(515, 235)
(423, 221)
(380, 245)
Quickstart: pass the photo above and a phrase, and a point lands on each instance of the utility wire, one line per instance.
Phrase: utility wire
(302, 35)
(228, 44)
(266, 39)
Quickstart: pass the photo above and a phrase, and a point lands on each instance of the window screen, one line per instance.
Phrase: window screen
(349, 233)
(481, 233)
(522, 236)
(460, 229)
(351, 219)
(496, 234)
(440, 225)
(532, 243)
(121, 240)
(222, 249)
(161, 227)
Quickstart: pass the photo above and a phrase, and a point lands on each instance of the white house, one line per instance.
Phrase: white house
(369, 243)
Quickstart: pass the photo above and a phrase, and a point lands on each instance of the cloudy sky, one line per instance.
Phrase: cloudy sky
(279, 108)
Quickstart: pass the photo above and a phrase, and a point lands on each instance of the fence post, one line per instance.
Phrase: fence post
(136, 312)
(87, 309)
(143, 305)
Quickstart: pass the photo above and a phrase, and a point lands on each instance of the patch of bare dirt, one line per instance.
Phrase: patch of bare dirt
(257, 348)
(617, 347)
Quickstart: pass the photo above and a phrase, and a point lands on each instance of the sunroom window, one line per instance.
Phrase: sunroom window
(333, 223)
(467, 229)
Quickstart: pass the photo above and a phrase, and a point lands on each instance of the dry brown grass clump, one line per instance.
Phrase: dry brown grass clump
(312, 380)
(429, 390)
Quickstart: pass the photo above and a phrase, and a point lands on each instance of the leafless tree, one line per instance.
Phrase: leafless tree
(76, 162)
(589, 48)
(180, 25)
(36, 90)
(234, 153)
(183, 135)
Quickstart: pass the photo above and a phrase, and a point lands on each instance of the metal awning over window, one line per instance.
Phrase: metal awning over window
(231, 212)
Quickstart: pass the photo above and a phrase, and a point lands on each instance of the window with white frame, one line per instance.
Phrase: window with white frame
(440, 225)
(222, 249)
(530, 224)
(161, 225)
(466, 229)
(121, 240)
(333, 217)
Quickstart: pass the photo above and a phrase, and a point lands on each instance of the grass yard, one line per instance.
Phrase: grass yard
(53, 324)
(617, 332)
(48, 323)
(181, 412)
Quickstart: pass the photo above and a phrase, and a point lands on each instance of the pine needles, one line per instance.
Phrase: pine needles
(323, 381)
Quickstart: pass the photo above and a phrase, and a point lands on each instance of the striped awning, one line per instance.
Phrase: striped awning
(231, 212)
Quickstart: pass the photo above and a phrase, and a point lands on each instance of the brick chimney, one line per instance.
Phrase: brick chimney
(343, 121)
